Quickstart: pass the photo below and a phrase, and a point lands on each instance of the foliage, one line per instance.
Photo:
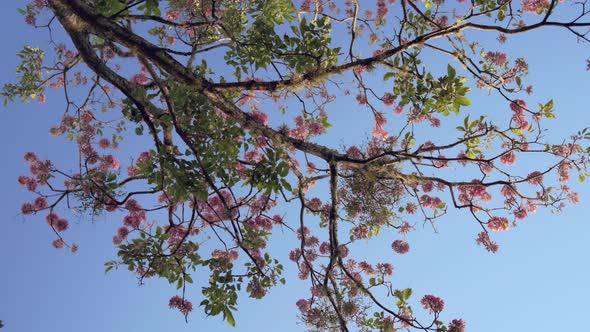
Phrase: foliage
(201, 82)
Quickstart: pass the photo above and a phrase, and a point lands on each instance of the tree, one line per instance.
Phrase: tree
(232, 100)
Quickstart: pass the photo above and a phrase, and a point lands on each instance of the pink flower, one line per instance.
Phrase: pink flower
(535, 178)
(104, 143)
(564, 171)
(411, 208)
(498, 224)
(305, 5)
(109, 54)
(432, 303)
(30, 157)
(497, 58)
(39, 4)
(388, 99)
(400, 246)
(52, 219)
(456, 325)
(316, 128)
(32, 185)
(535, 6)
(61, 225)
(508, 158)
(382, 9)
(27, 208)
(361, 98)
(342, 251)
(324, 248)
(117, 240)
(295, 255)
(111, 162)
(23, 180)
(303, 305)
(404, 228)
(139, 79)
(508, 191)
(385, 268)
(484, 239)
(378, 131)
(58, 244)
(259, 117)
(520, 213)
(123, 232)
(183, 305)
(518, 106)
(40, 203)
(366, 267)
(398, 110)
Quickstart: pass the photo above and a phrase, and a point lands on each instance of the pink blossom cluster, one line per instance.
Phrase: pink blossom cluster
(497, 58)
(385, 269)
(256, 289)
(136, 215)
(508, 192)
(535, 177)
(143, 159)
(483, 239)
(388, 99)
(301, 130)
(566, 150)
(303, 305)
(400, 246)
(305, 128)
(508, 158)
(535, 6)
(411, 208)
(259, 117)
(433, 304)
(360, 232)
(379, 131)
(382, 9)
(305, 5)
(40, 203)
(563, 170)
(224, 257)
(260, 223)
(39, 168)
(57, 223)
(219, 207)
(140, 78)
(519, 107)
(404, 228)
(430, 202)
(181, 304)
(468, 193)
(456, 325)
(498, 224)
(520, 213)
(486, 167)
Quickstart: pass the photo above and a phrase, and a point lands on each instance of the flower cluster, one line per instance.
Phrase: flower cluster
(400, 246)
(433, 304)
(183, 305)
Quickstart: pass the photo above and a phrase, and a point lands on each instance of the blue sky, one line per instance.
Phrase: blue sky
(537, 282)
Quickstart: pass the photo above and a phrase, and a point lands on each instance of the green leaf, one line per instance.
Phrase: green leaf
(388, 76)
(464, 101)
(229, 317)
(451, 72)
(407, 293)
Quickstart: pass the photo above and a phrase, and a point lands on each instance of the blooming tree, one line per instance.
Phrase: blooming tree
(233, 101)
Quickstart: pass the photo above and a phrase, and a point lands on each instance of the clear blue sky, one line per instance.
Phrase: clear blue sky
(537, 282)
